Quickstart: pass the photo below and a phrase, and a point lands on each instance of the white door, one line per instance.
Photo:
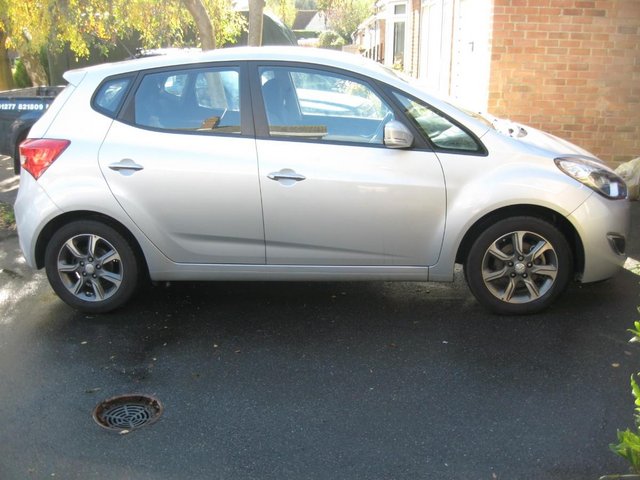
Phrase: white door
(472, 54)
(435, 44)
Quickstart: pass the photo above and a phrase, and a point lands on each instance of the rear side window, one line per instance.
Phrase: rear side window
(110, 95)
(195, 100)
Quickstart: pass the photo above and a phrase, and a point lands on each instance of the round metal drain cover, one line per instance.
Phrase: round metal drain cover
(127, 412)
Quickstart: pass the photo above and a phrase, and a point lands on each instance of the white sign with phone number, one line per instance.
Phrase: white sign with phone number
(22, 106)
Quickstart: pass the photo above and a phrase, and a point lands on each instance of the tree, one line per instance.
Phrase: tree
(256, 10)
(344, 16)
(14, 15)
(203, 23)
(83, 25)
(6, 79)
(331, 40)
(283, 9)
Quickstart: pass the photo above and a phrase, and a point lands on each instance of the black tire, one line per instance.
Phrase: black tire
(91, 266)
(519, 266)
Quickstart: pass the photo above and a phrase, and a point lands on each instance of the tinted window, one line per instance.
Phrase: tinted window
(202, 100)
(109, 96)
(319, 105)
(441, 131)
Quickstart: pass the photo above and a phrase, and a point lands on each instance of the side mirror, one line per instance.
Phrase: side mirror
(397, 135)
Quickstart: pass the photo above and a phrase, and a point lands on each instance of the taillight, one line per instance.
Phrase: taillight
(37, 154)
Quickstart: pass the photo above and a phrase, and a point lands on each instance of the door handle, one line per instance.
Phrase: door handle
(286, 174)
(126, 165)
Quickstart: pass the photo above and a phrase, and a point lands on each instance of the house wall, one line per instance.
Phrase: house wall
(572, 68)
(369, 39)
(318, 23)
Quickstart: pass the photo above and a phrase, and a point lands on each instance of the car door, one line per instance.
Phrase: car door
(181, 161)
(332, 193)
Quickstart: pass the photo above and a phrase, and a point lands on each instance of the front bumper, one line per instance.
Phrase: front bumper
(603, 226)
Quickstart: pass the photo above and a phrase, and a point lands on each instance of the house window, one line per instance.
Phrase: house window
(398, 43)
(398, 32)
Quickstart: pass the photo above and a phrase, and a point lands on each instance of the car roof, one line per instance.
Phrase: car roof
(318, 56)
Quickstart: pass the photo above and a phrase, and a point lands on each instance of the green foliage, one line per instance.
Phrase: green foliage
(344, 16)
(7, 218)
(628, 448)
(306, 5)
(331, 40)
(628, 445)
(84, 25)
(285, 10)
(635, 330)
(20, 76)
(306, 34)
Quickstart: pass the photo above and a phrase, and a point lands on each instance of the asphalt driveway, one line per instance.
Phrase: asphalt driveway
(315, 381)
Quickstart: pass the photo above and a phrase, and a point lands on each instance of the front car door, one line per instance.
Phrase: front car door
(332, 193)
(181, 161)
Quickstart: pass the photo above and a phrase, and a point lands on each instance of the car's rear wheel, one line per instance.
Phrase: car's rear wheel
(91, 266)
(519, 266)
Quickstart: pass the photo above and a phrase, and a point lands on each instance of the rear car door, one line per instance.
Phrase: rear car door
(181, 161)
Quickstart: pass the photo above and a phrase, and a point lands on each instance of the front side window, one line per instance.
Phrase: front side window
(320, 105)
(441, 131)
(202, 100)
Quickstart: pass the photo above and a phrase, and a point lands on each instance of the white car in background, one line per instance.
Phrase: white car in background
(303, 164)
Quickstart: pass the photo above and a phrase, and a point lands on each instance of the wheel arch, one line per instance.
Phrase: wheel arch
(543, 213)
(56, 223)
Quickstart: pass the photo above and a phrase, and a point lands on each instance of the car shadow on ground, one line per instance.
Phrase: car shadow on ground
(234, 318)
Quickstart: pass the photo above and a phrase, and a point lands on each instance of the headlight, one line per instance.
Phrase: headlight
(594, 175)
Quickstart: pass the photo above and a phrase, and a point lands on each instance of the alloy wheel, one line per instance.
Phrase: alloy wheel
(90, 267)
(519, 267)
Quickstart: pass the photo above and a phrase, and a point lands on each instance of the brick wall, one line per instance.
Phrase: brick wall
(572, 68)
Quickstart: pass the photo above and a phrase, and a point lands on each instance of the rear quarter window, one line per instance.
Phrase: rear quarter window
(109, 96)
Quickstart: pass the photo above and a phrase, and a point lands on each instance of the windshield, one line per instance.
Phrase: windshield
(477, 115)
(482, 117)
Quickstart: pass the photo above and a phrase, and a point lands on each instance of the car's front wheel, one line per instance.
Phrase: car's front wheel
(91, 266)
(519, 265)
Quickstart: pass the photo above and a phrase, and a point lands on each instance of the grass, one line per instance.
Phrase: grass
(7, 217)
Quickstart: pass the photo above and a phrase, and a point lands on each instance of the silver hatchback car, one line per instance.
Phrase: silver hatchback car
(302, 164)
